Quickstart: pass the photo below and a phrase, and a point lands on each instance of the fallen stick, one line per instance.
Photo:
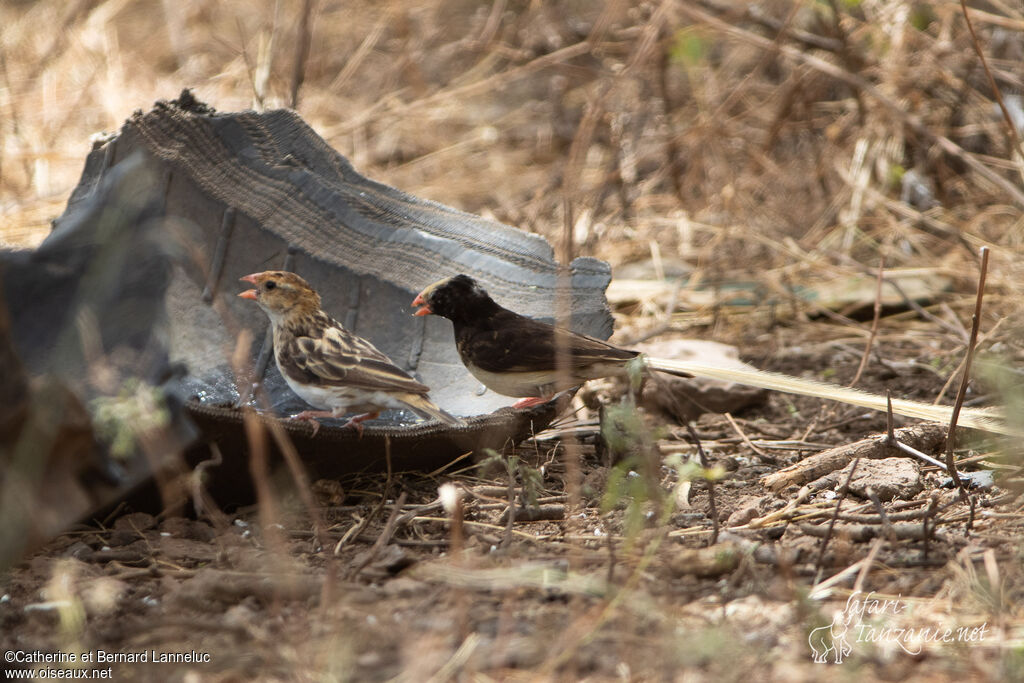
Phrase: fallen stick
(922, 437)
(865, 532)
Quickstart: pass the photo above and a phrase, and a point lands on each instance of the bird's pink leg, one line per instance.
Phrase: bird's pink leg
(313, 414)
(357, 421)
(530, 402)
(310, 417)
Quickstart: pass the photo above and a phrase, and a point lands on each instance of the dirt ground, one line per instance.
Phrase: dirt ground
(389, 592)
(739, 165)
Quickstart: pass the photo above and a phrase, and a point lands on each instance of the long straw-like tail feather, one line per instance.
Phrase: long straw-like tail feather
(986, 419)
(426, 408)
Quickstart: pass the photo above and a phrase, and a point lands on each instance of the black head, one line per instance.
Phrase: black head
(459, 298)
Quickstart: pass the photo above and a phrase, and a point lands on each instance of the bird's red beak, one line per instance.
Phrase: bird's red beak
(249, 293)
(419, 301)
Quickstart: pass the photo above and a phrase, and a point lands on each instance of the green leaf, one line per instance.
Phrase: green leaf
(688, 48)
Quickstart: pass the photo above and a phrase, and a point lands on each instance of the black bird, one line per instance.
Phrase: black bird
(512, 354)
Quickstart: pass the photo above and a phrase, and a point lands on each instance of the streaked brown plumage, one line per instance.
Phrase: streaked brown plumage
(326, 365)
(510, 353)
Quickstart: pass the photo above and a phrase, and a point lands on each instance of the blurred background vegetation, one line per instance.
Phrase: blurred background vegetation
(778, 144)
(770, 139)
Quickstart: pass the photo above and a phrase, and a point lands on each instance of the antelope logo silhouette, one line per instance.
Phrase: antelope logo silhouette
(831, 639)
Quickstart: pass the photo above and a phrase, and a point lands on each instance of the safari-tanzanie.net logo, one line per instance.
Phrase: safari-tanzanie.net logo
(868, 619)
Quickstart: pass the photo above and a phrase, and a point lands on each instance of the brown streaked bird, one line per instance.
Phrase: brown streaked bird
(326, 365)
(514, 355)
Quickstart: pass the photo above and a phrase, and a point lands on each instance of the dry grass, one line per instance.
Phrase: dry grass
(768, 150)
(704, 149)
(725, 154)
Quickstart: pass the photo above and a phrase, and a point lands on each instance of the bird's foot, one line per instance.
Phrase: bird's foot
(311, 416)
(357, 422)
(530, 402)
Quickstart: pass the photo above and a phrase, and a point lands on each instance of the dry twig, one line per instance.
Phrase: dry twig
(835, 515)
(965, 380)
(877, 312)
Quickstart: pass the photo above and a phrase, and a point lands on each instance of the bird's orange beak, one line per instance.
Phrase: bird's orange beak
(419, 301)
(249, 293)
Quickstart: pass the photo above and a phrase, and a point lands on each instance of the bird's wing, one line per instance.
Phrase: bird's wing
(335, 356)
(519, 344)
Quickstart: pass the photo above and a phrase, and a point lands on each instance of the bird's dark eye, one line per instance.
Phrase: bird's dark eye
(271, 284)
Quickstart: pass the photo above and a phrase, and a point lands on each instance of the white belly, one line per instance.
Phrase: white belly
(517, 384)
(526, 384)
(342, 399)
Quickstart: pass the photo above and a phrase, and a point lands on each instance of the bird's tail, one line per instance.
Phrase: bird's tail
(425, 408)
(666, 366)
(986, 419)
